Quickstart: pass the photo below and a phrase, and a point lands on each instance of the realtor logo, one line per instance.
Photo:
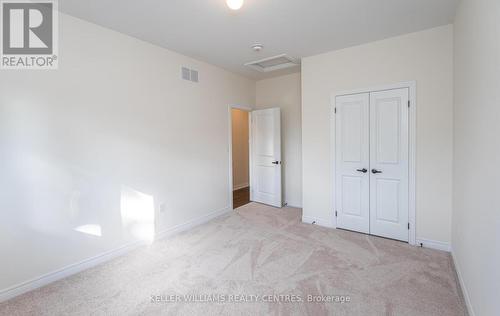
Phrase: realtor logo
(29, 34)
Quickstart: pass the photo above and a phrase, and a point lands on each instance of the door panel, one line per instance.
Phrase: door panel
(389, 159)
(387, 205)
(352, 138)
(388, 114)
(352, 188)
(266, 179)
(265, 184)
(352, 154)
(263, 130)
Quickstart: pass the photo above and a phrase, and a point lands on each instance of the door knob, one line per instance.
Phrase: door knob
(275, 162)
(374, 171)
(364, 170)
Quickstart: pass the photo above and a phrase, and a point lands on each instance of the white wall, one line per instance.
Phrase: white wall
(94, 141)
(426, 57)
(476, 207)
(240, 148)
(285, 92)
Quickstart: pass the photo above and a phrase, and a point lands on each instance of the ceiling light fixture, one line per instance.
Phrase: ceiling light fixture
(257, 47)
(234, 4)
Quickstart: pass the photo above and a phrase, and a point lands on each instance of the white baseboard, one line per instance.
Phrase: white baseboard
(48, 278)
(45, 279)
(317, 221)
(438, 245)
(465, 293)
(192, 223)
(240, 186)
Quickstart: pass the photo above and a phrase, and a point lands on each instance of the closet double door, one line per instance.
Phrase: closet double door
(371, 159)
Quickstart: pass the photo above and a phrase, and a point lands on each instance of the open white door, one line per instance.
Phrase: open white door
(265, 171)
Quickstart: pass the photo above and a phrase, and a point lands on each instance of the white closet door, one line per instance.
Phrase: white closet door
(389, 164)
(352, 162)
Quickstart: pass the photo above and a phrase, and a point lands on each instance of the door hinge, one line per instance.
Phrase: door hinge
(408, 103)
(408, 226)
(335, 110)
(336, 214)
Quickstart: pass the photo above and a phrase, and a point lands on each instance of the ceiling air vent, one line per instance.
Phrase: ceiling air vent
(273, 63)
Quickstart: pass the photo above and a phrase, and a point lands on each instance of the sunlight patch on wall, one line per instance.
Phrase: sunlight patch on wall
(91, 229)
(137, 212)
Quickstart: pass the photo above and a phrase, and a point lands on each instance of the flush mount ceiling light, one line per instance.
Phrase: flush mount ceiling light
(234, 4)
(257, 47)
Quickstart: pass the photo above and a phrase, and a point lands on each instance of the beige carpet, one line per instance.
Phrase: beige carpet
(258, 261)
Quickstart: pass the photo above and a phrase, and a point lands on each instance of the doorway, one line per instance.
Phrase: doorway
(255, 156)
(240, 133)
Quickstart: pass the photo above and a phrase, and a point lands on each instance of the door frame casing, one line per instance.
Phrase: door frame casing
(230, 151)
(412, 146)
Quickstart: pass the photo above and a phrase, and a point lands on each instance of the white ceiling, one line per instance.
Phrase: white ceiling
(208, 30)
